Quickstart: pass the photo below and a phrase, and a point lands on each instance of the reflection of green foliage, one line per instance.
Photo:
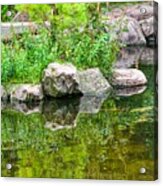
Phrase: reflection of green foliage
(112, 144)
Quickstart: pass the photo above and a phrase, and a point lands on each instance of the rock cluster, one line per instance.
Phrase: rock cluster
(60, 80)
(135, 25)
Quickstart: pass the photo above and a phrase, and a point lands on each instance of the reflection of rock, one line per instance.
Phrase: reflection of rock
(60, 80)
(3, 105)
(26, 92)
(128, 78)
(130, 91)
(3, 93)
(128, 57)
(127, 30)
(62, 113)
(54, 126)
(148, 56)
(25, 108)
(91, 104)
(92, 82)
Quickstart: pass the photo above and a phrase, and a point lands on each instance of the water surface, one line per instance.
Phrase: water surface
(92, 138)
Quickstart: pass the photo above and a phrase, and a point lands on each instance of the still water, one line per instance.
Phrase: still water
(109, 137)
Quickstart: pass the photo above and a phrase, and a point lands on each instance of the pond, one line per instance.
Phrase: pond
(109, 137)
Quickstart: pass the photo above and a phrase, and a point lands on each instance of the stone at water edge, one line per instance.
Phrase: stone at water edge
(92, 82)
(60, 79)
(128, 77)
(26, 93)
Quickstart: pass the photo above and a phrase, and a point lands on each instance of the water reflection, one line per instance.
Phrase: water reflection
(130, 91)
(107, 137)
(63, 113)
(60, 114)
(133, 57)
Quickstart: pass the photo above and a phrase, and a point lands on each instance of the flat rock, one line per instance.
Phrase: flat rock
(26, 93)
(92, 82)
(60, 80)
(128, 78)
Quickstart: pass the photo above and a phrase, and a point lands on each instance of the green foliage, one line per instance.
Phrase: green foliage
(37, 12)
(31, 53)
(24, 59)
(4, 10)
(71, 15)
(76, 35)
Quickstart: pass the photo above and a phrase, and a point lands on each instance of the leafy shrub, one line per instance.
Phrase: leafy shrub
(76, 35)
(4, 10)
(24, 59)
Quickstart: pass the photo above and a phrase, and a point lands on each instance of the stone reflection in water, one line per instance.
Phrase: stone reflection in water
(130, 57)
(25, 108)
(92, 104)
(61, 113)
(148, 56)
(130, 91)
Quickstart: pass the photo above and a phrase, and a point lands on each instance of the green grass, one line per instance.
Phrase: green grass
(25, 56)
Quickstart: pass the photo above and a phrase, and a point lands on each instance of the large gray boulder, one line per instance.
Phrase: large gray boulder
(126, 30)
(128, 78)
(26, 93)
(92, 82)
(60, 80)
(140, 12)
